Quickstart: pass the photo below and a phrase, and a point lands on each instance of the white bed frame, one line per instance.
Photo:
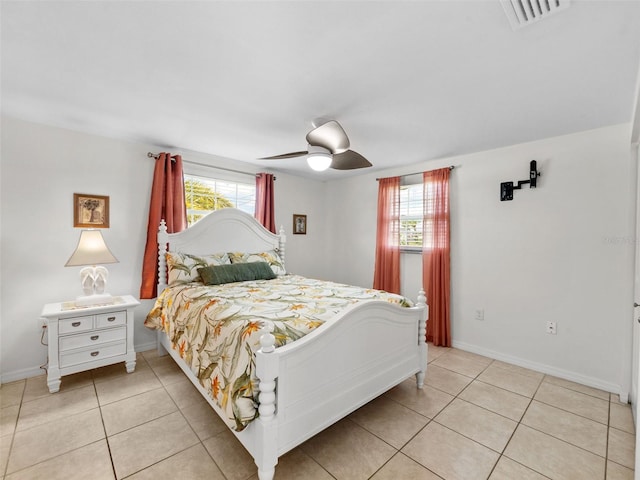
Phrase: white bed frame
(315, 381)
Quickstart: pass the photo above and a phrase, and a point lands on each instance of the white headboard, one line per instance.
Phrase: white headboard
(226, 230)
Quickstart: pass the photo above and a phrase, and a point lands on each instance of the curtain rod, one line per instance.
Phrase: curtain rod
(156, 155)
(451, 167)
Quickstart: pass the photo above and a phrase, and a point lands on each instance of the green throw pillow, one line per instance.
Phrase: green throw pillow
(238, 272)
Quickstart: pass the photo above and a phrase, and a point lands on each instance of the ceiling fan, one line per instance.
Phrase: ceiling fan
(328, 148)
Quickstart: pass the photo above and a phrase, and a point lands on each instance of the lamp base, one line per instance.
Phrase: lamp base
(97, 299)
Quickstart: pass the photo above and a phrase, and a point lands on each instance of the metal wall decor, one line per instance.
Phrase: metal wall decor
(507, 188)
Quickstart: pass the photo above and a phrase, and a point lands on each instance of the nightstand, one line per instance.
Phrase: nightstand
(82, 338)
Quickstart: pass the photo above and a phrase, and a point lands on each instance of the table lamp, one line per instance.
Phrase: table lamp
(92, 250)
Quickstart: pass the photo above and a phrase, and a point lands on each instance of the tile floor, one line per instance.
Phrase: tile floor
(476, 418)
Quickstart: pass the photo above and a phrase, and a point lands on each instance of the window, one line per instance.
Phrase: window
(412, 216)
(203, 195)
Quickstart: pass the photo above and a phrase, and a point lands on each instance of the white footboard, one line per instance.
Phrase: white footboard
(328, 374)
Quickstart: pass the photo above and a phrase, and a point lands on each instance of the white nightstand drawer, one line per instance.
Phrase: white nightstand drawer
(111, 319)
(75, 324)
(97, 337)
(90, 354)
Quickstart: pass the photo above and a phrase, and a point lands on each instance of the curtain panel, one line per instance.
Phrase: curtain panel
(436, 263)
(265, 211)
(168, 203)
(387, 264)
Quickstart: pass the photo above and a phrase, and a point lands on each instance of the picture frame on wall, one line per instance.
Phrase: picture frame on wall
(90, 211)
(299, 224)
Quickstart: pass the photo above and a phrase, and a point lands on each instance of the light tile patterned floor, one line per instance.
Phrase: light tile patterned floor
(475, 419)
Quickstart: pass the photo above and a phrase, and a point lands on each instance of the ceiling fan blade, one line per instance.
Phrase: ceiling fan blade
(285, 155)
(349, 160)
(329, 135)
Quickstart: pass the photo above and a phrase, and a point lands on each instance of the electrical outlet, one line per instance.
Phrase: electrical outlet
(42, 323)
(551, 328)
(479, 314)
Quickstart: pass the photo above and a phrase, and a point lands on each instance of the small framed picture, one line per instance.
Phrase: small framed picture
(299, 224)
(90, 211)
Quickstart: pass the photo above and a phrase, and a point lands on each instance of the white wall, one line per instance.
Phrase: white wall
(41, 168)
(561, 252)
(304, 253)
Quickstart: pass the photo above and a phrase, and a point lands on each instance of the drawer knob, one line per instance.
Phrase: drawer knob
(111, 319)
(95, 337)
(75, 324)
(95, 354)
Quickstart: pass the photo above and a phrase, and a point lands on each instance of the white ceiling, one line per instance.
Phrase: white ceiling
(408, 80)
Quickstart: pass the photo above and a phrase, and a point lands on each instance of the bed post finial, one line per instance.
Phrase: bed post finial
(422, 338)
(267, 340)
(163, 239)
(422, 298)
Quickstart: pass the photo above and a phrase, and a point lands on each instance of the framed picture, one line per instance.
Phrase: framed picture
(90, 211)
(299, 224)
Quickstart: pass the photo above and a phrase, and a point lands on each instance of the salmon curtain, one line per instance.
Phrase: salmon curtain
(387, 267)
(168, 203)
(265, 213)
(436, 264)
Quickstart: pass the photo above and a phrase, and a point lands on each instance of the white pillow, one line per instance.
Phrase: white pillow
(272, 257)
(183, 267)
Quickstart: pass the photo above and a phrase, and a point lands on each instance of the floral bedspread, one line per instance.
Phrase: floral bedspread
(216, 329)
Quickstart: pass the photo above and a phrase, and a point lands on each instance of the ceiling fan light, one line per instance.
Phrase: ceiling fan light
(319, 161)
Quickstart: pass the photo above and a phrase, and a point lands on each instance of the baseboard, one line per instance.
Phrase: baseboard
(542, 368)
(35, 371)
(143, 347)
(21, 374)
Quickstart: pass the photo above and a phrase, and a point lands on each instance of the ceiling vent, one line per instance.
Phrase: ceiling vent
(525, 12)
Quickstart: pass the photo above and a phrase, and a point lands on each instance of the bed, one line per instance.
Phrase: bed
(340, 362)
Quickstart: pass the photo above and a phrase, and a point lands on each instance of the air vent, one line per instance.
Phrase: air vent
(525, 12)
